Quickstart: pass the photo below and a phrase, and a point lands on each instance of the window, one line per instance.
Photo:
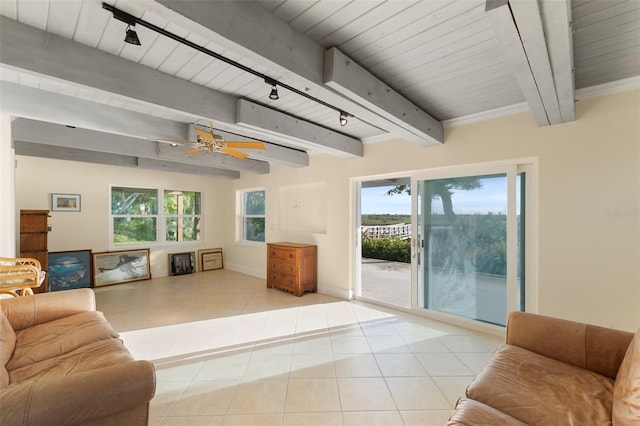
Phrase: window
(182, 215)
(136, 219)
(253, 202)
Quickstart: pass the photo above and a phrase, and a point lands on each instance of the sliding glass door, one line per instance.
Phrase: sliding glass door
(469, 243)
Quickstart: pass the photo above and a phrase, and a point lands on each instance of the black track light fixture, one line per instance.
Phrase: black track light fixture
(274, 89)
(344, 118)
(131, 37)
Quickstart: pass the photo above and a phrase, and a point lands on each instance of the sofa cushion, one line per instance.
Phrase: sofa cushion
(7, 345)
(626, 390)
(538, 390)
(103, 353)
(473, 413)
(58, 337)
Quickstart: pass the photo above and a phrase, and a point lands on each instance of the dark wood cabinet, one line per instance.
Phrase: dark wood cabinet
(292, 267)
(34, 228)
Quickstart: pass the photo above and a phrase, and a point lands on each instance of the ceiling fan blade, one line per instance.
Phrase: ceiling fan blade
(194, 150)
(245, 144)
(234, 153)
(205, 135)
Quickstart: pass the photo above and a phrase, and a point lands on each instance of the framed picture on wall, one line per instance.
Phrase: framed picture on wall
(65, 202)
(70, 269)
(117, 267)
(181, 263)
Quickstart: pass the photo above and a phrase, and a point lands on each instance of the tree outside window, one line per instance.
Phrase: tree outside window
(137, 218)
(253, 222)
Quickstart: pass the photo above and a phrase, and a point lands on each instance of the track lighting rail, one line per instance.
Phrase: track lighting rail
(132, 20)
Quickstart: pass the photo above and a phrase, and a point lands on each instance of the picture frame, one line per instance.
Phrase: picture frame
(210, 259)
(69, 270)
(65, 202)
(122, 266)
(181, 263)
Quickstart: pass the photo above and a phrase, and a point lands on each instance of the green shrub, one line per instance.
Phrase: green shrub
(394, 249)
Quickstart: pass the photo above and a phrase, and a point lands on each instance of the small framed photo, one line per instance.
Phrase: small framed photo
(181, 263)
(210, 259)
(65, 202)
(70, 269)
(117, 267)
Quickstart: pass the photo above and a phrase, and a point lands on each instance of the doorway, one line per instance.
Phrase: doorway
(471, 252)
(385, 241)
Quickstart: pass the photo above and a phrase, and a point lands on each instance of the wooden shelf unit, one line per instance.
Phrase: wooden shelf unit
(292, 267)
(34, 229)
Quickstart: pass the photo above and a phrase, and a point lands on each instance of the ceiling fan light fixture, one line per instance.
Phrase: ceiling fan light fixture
(131, 36)
(344, 118)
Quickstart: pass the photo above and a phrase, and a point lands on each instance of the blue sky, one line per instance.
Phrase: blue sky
(375, 201)
(490, 198)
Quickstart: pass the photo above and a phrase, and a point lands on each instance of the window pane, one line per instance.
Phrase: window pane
(134, 201)
(134, 230)
(465, 224)
(254, 229)
(183, 228)
(254, 203)
(182, 202)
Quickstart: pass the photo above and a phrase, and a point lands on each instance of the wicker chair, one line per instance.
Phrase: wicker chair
(20, 275)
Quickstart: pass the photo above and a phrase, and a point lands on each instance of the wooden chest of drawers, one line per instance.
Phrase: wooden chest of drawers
(292, 267)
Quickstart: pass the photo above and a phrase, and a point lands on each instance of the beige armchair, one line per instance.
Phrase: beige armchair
(20, 275)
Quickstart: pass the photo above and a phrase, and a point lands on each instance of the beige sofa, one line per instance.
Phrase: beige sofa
(63, 364)
(556, 372)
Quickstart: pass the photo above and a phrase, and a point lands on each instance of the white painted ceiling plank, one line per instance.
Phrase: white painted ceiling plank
(365, 21)
(482, 43)
(91, 23)
(295, 9)
(317, 13)
(464, 27)
(347, 14)
(394, 29)
(614, 9)
(33, 13)
(9, 8)
(427, 25)
(62, 18)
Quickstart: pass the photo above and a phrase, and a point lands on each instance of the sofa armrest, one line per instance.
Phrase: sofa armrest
(598, 349)
(27, 311)
(79, 398)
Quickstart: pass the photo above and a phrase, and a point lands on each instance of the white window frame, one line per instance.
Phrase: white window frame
(241, 216)
(160, 216)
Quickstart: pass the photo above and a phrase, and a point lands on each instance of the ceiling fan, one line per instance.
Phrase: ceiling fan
(211, 142)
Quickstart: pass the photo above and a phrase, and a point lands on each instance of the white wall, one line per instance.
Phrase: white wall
(8, 242)
(588, 214)
(588, 190)
(37, 178)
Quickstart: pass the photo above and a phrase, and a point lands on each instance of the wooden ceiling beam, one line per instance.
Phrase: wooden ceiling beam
(38, 106)
(272, 44)
(254, 115)
(544, 78)
(55, 137)
(73, 62)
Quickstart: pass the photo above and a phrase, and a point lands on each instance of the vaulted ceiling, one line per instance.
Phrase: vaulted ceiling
(398, 69)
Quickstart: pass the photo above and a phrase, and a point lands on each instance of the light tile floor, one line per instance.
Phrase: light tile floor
(229, 351)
